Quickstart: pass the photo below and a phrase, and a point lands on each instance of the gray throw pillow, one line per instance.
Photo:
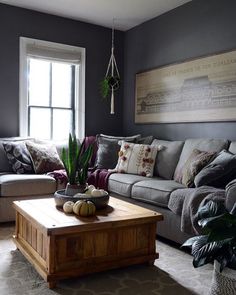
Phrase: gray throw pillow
(108, 148)
(19, 157)
(167, 158)
(107, 155)
(219, 172)
(145, 140)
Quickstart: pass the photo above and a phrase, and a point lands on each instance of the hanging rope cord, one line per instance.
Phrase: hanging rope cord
(112, 62)
(114, 71)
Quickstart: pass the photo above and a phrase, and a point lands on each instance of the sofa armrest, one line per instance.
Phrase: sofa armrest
(230, 194)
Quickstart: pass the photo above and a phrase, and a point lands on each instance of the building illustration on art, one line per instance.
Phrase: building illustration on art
(195, 93)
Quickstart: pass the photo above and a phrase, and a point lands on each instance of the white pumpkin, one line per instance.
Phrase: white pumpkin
(84, 208)
(90, 188)
(96, 193)
(80, 195)
(68, 207)
(103, 192)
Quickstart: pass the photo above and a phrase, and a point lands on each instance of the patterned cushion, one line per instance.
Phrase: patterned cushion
(108, 148)
(18, 157)
(195, 163)
(136, 159)
(44, 157)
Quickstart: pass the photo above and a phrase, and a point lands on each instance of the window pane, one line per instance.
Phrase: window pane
(62, 124)
(39, 124)
(61, 85)
(39, 80)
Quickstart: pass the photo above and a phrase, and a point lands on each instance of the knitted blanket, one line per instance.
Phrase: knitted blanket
(187, 201)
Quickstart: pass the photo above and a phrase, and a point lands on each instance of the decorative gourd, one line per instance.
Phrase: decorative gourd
(96, 193)
(68, 207)
(84, 208)
(89, 190)
(103, 192)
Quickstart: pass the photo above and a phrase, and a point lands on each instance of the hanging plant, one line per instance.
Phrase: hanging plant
(111, 81)
(107, 84)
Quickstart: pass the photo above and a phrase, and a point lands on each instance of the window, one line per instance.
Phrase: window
(51, 90)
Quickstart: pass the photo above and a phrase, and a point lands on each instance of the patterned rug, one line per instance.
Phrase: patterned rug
(172, 274)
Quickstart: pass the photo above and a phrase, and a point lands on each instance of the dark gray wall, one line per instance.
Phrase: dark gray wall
(16, 22)
(198, 28)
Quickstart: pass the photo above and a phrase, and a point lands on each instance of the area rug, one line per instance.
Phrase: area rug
(172, 274)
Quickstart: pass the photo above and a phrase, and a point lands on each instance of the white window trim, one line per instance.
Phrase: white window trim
(79, 91)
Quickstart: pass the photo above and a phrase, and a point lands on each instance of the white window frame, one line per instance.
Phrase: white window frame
(79, 90)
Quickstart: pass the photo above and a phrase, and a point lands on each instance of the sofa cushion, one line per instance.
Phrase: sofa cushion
(44, 157)
(203, 144)
(145, 140)
(232, 147)
(155, 191)
(137, 159)
(195, 163)
(107, 155)
(121, 184)
(5, 165)
(219, 172)
(26, 185)
(167, 157)
(108, 148)
(19, 157)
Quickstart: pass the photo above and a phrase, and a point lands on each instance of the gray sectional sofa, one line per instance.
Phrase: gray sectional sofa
(153, 193)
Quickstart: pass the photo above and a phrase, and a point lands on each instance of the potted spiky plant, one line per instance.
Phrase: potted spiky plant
(76, 162)
(217, 244)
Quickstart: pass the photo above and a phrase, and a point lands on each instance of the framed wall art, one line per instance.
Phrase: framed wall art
(199, 90)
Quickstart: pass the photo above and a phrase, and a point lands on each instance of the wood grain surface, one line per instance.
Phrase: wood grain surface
(63, 245)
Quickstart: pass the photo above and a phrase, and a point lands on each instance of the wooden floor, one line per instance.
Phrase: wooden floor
(63, 245)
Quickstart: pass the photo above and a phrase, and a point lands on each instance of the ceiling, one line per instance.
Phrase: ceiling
(126, 13)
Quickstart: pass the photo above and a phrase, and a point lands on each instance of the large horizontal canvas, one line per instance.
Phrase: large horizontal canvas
(199, 90)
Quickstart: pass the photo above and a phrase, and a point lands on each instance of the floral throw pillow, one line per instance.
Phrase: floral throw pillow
(18, 157)
(44, 157)
(136, 159)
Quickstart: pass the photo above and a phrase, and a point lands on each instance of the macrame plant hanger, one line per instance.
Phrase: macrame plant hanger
(112, 74)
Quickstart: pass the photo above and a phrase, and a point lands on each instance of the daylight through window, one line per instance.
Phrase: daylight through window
(51, 104)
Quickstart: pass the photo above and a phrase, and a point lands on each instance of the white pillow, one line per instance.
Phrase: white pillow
(136, 159)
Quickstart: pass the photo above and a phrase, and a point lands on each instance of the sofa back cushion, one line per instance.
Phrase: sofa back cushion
(219, 172)
(5, 165)
(167, 158)
(203, 144)
(232, 147)
(108, 148)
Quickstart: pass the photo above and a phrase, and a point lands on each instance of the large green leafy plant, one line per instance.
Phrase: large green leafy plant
(218, 241)
(76, 161)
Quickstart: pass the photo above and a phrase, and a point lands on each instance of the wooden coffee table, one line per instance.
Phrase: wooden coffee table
(63, 245)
